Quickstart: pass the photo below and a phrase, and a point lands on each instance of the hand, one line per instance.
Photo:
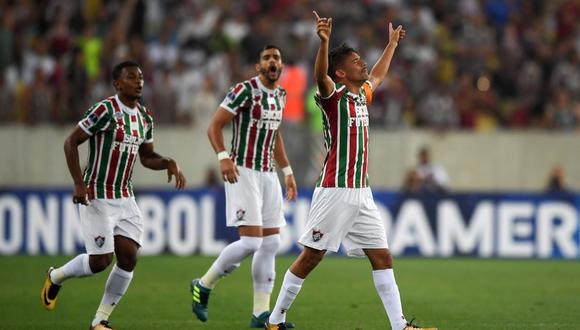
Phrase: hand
(397, 34)
(174, 170)
(80, 195)
(229, 170)
(291, 192)
(323, 27)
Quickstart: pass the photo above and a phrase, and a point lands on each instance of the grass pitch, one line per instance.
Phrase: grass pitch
(339, 294)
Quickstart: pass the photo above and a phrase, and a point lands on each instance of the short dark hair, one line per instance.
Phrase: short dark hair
(117, 69)
(269, 46)
(336, 57)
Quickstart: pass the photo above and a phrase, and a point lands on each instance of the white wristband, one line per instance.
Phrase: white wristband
(223, 155)
(287, 170)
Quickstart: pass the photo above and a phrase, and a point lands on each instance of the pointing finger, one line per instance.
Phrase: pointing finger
(316, 14)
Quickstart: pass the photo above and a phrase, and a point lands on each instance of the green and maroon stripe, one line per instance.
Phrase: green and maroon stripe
(252, 146)
(96, 150)
(109, 170)
(345, 164)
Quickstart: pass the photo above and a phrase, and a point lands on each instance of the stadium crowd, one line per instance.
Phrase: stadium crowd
(477, 65)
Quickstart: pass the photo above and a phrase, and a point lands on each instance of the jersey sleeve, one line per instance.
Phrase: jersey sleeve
(95, 119)
(149, 129)
(368, 89)
(235, 98)
(325, 103)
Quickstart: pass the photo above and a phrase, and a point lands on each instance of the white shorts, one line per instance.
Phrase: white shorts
(255, 200)
(104, 218)
(344, 215)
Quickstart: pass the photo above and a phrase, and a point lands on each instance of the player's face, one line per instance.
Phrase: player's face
(130, 84)
(270, 65)
(355, 68)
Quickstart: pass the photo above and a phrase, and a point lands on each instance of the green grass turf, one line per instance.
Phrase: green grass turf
(339, 294)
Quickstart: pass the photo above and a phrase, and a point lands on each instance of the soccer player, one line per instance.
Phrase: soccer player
(253, 192)
(118, 129)
(343, 209)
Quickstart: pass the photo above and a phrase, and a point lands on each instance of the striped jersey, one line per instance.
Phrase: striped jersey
(258, 114)
(345, 122)
(116, 132)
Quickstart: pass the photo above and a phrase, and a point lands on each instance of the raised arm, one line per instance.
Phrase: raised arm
(323, 81)
(379, 71)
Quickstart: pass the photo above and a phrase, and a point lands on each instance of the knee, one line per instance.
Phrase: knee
(251, 243)
(98, 263)
(127, 262)
(381, 260)
(271, 243)
(385, 263)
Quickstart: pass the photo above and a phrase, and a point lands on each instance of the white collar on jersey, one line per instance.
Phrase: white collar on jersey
(266, 89)
(124, 107)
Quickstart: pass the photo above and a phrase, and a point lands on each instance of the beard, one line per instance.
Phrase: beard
(272, 73)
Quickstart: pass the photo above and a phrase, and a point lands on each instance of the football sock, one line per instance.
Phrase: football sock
(211, 277)
(116, 286)
(264, 273)
(76, 267)
(261, 302)
(229, 259)
(389, 292)
(288, 292)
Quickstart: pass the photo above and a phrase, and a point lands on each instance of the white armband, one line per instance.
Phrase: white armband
(287, 170)
(223, 155)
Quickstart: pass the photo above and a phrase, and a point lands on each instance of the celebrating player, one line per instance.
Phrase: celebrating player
(253, 192)
(343, 209)
(118, 129)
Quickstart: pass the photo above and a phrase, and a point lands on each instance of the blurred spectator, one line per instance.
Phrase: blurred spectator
(92, 46)
(39, 99)
(437, 109)
(212, 180)
(8, 108)
(390, 105)
(469, 64)
(561, 113)
(433, 177)
(37, 58)
(7, 35)
(566, 74)
(164, 99)
(556, 182)
(76, 87)
(186, 83)
(413, 182)
(294, 81)
(205, 104)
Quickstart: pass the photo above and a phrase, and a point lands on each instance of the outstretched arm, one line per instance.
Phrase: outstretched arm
(283, 163)
(152, 160)
(323, 29)
(379, 71)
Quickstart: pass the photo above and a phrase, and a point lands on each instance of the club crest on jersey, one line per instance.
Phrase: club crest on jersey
(99, 241)
(240, 214)
(317, 235)
(118, 115)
